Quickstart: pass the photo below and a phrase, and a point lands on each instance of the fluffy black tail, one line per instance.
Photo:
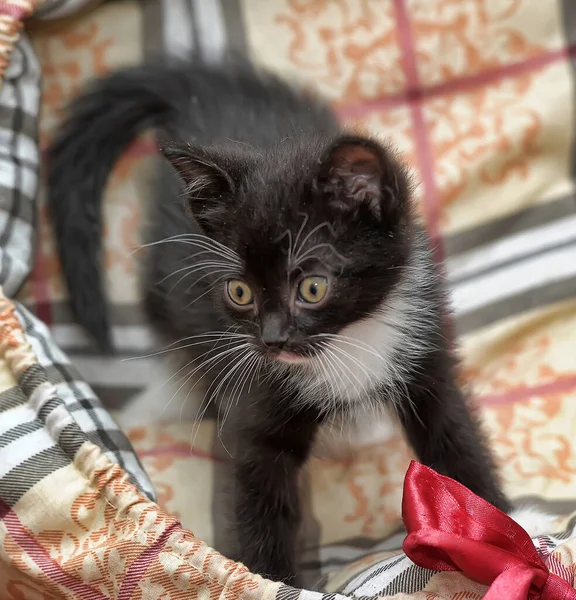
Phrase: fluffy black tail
(100, 125)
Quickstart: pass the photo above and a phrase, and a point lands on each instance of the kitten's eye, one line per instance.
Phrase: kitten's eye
(312, 289)
(239, 292)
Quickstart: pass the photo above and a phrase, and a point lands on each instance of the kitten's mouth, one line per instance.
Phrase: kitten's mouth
(290, 358)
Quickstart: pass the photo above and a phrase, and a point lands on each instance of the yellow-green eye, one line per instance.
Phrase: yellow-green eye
(239, 292)
(312, 289)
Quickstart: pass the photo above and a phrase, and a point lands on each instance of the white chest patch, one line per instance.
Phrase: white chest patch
(378, 351)
(339, 440)
(354, 362)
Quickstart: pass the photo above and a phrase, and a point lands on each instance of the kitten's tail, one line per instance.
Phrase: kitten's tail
(100, 125)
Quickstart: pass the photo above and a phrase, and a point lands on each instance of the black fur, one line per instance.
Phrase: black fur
(276, 192)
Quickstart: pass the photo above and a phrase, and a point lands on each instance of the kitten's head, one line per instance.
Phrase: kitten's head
(308, 238)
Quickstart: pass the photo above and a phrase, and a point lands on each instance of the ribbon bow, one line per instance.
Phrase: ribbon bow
(452, 529)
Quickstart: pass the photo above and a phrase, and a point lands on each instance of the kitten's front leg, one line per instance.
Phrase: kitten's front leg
(267, 500)
(446, 437)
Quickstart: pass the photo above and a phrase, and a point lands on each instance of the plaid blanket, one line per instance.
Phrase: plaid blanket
(394, 574)
(477, 95)
(98, 535)
(478, 99)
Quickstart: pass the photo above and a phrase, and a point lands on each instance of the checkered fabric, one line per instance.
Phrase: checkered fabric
(388, 574)
(19, 164)
(19, 426)
(19, 158)
(97, 536)
(29, 453)
(58, 9)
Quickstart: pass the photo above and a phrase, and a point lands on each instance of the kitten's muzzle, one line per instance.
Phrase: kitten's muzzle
(275, 335)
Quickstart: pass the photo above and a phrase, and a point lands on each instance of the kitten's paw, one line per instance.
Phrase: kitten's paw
(534, 521)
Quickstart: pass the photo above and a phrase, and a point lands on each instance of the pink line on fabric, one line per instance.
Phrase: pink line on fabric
(563, 384)
(459, 84)
(38, 554)
(141, 564)
(556, 567)
(18, 12)
(180, 450)
(423, 148)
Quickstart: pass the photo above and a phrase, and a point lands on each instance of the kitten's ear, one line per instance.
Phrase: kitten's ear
(356, 172)
(206, 184)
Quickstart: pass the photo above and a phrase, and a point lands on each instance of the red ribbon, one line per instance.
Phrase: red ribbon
(452, 529)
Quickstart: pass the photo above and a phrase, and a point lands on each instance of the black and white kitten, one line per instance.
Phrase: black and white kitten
(294, 274)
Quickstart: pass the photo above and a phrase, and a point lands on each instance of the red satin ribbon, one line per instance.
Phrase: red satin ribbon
(452, 529)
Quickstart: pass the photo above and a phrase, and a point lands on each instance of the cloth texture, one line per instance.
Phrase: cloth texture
(97, 535)
(479, 99)
(72, 524)
(459, 546)
(451, 529)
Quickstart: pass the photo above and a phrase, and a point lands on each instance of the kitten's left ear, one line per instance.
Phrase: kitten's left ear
(359, 173)
(207, 179)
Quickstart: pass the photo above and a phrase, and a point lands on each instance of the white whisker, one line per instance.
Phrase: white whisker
(211, 273)
(215, 361)
(304, 222)
(329, 357)
(359, 344)
(210, 288)
(238, 388)
(219, 357)
(369, 373)
(308, 253)
(310, 234)
(199, 241)
(194, 267)
(332, 353)
(223, 335)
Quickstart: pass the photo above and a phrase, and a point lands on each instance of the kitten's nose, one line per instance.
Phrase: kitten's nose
(274, 332)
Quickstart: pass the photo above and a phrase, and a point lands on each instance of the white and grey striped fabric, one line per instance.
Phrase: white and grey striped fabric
(397, 574)
(86, 409)
(19, 163)
(186, 28)
(58, 9)
(514, 264)
(19, 167)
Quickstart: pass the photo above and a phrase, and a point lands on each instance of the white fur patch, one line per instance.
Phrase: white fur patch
(167, 402)
(341, 439)
(379, 350)
(534, 521)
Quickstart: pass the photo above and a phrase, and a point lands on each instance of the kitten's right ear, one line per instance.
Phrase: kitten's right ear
(358, 173)
(207, 185)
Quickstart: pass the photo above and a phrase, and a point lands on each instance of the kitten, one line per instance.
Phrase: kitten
(294, 273)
